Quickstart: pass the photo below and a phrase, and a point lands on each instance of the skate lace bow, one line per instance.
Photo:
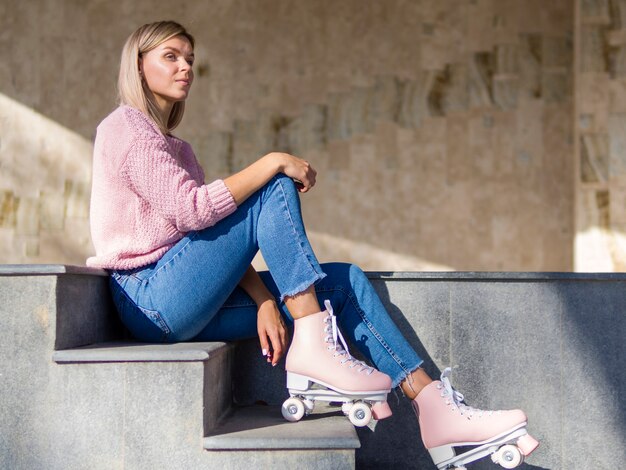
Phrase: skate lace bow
(333, 334)
(456, 398)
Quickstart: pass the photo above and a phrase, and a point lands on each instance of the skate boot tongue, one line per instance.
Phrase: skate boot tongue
(456, 398)
(341, 350)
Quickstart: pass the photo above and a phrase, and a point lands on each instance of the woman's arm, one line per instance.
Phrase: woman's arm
(152, 172)
(270, 325)
(249, 180)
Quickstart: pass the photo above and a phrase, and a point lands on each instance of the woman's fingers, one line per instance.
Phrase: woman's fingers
(272, 334)
(265, 345)
(277, 347)
(278, 339)
(309, 178)
(299, 170)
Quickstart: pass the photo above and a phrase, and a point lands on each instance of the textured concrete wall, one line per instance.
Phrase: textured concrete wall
(442, 129)
(552, 345)
(600, 133)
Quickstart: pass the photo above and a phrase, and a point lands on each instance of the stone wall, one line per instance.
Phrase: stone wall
(600, 136)
(442, 130)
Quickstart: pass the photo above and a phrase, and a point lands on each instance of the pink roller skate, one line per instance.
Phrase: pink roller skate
(318, 368)
(446, 422)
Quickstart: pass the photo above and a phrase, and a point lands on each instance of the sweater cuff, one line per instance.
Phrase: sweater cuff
(222, 201)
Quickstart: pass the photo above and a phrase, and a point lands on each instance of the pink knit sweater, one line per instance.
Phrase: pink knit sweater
(148, 191)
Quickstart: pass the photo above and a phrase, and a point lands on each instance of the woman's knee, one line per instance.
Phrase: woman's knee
(285, 183)
(279, 186)
(346, 274)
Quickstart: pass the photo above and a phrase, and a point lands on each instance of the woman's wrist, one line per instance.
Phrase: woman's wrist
(275, 161)
(262, 301)
(254, 286)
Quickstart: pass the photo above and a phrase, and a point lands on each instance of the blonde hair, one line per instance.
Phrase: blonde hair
(132, 90)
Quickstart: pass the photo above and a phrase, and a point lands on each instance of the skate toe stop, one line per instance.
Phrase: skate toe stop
(381, 410)
(527, 444)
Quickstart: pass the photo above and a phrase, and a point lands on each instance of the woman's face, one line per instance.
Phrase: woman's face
(167, 71)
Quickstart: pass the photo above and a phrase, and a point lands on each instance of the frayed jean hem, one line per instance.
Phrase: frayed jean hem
(396, 381)
(303, 286)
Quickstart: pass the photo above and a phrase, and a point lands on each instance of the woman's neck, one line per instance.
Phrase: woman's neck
(165, 110)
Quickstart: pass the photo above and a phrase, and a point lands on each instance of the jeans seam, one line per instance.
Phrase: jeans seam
(295, 233)
(369, 325)
(239, 305)
(176, 255)
(160, 321)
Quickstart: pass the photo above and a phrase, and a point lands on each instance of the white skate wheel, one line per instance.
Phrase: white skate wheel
(360, 414)
(346, 407)
(293, 409)
(508, 456)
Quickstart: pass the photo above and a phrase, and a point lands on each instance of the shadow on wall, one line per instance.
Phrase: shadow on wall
(407, 444)
(44, 188)
(554, 349)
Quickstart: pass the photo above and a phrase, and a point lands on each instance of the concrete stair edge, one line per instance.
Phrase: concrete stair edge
(128, 351)
(263, 428)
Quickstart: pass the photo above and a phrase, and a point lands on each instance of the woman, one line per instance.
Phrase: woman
(179, 253)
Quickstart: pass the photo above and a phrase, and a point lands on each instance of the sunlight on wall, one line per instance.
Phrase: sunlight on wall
(331, 248)
(600, 118)
(45, 174)
(592, 251)
(368, 257)
(598, 249)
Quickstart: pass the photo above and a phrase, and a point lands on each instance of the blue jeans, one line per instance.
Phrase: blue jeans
(192, 292)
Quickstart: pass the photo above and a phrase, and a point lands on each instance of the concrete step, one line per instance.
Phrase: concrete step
(263, 427)
(324, 439)
(168, 374)
(130, 351)
(137, 405)
(151, 364)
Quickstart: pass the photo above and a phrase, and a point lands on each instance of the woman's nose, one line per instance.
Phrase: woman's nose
(184, 65)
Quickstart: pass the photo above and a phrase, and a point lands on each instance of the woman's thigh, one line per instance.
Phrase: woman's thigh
(190, 283)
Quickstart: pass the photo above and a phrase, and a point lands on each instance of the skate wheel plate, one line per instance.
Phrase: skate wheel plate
(309, 405)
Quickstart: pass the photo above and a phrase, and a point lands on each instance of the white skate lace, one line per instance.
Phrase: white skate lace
(332, 334)
(456, 398)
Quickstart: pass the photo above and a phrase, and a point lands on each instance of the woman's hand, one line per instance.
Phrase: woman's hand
(270, 325)
(297, 169)
(252, 178)
(272, 331)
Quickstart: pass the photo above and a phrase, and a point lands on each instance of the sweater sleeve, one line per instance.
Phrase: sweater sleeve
(155, 175)
(200, 170)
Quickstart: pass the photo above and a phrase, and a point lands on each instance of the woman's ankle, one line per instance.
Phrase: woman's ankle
(303, 304)
(415, 383)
